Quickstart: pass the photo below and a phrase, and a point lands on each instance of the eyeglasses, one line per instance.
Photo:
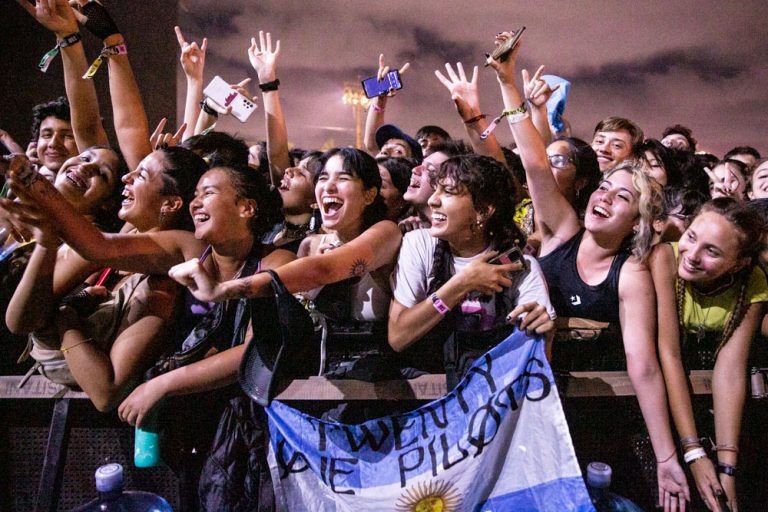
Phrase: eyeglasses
(559, 161)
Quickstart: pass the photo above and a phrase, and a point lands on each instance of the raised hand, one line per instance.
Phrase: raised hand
(55, 15)
(463, 92)
(505, 71)
(263, 58)
(536, 90)
(192, 56)
(160, 139)
(384, 69)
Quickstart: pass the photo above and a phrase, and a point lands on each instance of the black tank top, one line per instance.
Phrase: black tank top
(571, 296)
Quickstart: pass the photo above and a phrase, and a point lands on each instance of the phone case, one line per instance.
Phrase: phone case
(223, 95)
(501, 52)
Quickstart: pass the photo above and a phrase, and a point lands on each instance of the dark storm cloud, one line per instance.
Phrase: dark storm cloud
(706, 67)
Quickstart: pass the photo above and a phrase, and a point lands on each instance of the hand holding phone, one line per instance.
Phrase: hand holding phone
(501, 52)
(373, 87)
(221, 93)
(511, 255)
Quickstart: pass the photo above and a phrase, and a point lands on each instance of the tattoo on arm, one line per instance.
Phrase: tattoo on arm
(359, 268)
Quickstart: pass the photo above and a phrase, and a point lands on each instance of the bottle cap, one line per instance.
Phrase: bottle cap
(109, 478)
(599, 475)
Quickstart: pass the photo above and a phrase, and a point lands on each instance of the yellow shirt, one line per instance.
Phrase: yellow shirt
(713, 311)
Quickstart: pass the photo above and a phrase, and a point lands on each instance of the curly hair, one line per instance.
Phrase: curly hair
(58, 108)
(490, 185)
(649, 206)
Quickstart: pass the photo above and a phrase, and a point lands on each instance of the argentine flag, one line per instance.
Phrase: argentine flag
(497, 442)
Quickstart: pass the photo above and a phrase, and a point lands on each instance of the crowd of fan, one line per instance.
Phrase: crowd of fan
(125, 255)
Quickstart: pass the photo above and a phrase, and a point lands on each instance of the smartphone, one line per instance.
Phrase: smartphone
(373, 87)
(501, 52)
(511, 255)
(224, 96)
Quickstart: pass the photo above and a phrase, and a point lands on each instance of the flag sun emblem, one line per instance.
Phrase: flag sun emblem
(435, 496)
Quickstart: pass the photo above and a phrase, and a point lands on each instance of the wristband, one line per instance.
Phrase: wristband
(693, 455)
(726, 448)
(377, 108)
(518, 114)
(63, 43)
(475, 119)
(727, 469)
(270, 86)
(106, 52)
(439, 305)
(207, 109)
(674, 452)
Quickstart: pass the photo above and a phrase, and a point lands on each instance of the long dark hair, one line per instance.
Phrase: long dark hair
(364, 166)
(182, 170)
(587, 168)
(490, 185)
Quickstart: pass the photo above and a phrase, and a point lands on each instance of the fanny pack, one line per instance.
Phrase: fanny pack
(576, 329)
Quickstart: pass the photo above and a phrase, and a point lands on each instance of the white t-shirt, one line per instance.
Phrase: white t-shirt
(410, 280)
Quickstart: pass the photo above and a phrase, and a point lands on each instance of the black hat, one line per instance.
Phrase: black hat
(390, 131)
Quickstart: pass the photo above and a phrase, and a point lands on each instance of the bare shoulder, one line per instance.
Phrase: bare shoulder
(635, 278)
(277, 258)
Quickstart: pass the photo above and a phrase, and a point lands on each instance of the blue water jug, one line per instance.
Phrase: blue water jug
(112, 497)
(598, 482)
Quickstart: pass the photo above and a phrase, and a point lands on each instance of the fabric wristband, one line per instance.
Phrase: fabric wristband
(106, 52)
(695, 454)
(727, 469)
(439, 305)
(63, 43)
(270, 86)
(515, 115)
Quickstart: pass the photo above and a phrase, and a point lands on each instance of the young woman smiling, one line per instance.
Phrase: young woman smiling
(597, 271)
(709, 306)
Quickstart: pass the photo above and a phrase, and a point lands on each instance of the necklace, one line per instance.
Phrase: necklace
(218, 271)
(697, 309)
(296, 230)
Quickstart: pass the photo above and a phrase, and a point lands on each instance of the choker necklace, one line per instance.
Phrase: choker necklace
(296, 230)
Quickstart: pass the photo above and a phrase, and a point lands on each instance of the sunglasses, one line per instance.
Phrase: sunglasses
(559, 161)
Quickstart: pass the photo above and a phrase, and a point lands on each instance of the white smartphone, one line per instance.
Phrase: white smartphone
(224, 96)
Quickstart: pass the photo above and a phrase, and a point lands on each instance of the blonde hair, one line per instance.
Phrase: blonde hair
(649, 206)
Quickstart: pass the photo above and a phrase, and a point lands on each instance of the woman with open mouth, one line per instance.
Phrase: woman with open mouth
(356, 253)
(710, 294)
(465, 281)
(597, 272)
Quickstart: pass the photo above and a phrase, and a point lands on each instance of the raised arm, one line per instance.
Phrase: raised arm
(377, 247)
(264, 60)
(637, 307)
(131, 125)
(107, 377)
(148, 253)
(193, 63)
(663, 268)
(556, 217)
(465, 96)
(58, 17)
(375, 118)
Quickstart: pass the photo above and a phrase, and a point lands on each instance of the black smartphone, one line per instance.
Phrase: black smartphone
(511, 255)
(373, 87)
(501, 52)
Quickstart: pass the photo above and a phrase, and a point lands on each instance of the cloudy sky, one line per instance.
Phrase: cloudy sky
(700, 63)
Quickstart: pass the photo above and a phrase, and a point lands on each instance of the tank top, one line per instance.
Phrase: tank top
(570, 295)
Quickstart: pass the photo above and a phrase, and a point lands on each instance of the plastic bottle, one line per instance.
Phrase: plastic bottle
(598, 482)
(146, 444)
(112, 497)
